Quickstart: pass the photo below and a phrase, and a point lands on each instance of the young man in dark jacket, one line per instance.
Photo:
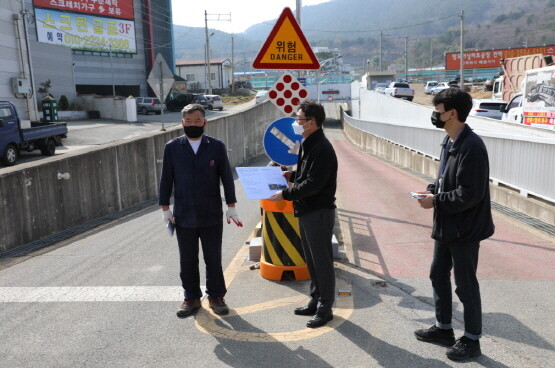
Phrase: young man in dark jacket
(313, 196)
(462, 218)
(194, 165)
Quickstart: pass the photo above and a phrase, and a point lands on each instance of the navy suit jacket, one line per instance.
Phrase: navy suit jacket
(195, 180)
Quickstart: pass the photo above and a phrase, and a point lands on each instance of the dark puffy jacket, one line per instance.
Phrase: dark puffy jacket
(462, 208)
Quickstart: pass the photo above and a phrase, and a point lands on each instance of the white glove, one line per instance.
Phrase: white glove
(167, 216)
(231, 214)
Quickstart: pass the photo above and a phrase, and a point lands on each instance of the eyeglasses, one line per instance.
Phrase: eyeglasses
(299, 119)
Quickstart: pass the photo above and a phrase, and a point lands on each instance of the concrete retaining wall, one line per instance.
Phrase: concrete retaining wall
(428, 166)
(108, 178)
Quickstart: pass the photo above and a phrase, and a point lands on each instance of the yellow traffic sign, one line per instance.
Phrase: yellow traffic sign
(286, 47)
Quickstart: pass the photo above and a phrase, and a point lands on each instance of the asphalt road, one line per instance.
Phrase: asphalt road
(107, 297)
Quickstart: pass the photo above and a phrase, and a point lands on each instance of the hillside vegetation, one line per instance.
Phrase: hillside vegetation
(432, 27)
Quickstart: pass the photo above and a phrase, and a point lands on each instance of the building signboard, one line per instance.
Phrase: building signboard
(85, 32)
(106, 8)
(491, 58)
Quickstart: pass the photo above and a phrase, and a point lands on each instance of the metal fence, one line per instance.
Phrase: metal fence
(520, 157)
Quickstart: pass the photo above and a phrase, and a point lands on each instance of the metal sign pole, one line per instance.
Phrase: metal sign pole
(161, 95)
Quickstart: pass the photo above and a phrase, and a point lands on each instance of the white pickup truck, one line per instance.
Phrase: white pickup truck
(535, 106)
(400, 90)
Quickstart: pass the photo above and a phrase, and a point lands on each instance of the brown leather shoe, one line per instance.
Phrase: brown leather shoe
(188, 307)
(218, 305)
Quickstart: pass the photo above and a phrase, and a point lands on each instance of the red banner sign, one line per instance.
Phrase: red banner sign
(106, 8)
(491, 58)
(539, 118)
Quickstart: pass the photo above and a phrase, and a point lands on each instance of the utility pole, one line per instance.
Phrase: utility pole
(381, 37)
(431, 53)
(112, 69)
(406, 60)
(208, 43)
(462, 51)
(298, 15)
(28, 63)
(232, 64)
(208, 77)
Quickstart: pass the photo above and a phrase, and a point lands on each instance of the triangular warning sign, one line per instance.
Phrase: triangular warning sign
(286, 47)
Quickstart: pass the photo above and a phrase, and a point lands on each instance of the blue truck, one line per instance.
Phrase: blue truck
(14, 139)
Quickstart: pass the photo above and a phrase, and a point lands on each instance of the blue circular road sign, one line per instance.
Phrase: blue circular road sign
(281, 143)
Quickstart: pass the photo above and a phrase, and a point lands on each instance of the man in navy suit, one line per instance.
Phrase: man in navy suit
(194, 164)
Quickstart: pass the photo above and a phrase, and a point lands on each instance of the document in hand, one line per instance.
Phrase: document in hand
(261, 182)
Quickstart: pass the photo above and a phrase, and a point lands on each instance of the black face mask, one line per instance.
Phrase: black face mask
(436, 120)
(193, 131)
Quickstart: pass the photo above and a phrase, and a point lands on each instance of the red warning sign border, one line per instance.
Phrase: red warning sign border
(286, 14)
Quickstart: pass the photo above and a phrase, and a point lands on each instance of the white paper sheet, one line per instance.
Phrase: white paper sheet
(261, 182)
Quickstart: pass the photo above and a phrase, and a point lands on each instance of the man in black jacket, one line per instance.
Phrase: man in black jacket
(313, 196)
(462, 218)
(194, 165)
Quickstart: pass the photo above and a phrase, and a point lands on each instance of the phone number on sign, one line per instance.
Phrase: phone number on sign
(96, 42)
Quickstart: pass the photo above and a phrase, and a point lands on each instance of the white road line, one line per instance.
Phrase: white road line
(50, 294)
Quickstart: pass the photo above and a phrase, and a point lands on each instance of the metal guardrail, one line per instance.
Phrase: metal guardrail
(525, 163)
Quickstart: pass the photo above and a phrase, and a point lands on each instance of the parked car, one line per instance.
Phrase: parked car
(441, 86)
(428, 86)
(487, 108)
(380, 87)
(200, 99)
(176, 102)
(400, 90)
(145, 105)
(512, 113)
(214, 102)
(261, 96)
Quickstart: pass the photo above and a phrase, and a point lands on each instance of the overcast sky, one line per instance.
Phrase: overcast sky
(244, 13)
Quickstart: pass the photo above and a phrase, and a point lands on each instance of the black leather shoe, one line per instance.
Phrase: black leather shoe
(320, 319)
(308, 310)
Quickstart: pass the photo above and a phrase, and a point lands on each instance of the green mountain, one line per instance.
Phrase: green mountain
(430, 27)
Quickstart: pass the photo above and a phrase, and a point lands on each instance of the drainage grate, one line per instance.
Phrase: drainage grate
(519, 216)
(76, 230)
(535, 223)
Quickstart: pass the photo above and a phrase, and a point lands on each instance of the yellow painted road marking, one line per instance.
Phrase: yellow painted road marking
(207, 321)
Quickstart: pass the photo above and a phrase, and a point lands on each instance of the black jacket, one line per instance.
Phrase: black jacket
(316, 176)
(195, 180)
(462, 206)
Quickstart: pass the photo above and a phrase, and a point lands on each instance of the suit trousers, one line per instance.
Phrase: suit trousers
(463, 259)
(211, 240)
(316, 233)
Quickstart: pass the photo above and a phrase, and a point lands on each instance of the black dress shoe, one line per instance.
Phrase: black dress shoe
(307, 310)
(320, 319)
